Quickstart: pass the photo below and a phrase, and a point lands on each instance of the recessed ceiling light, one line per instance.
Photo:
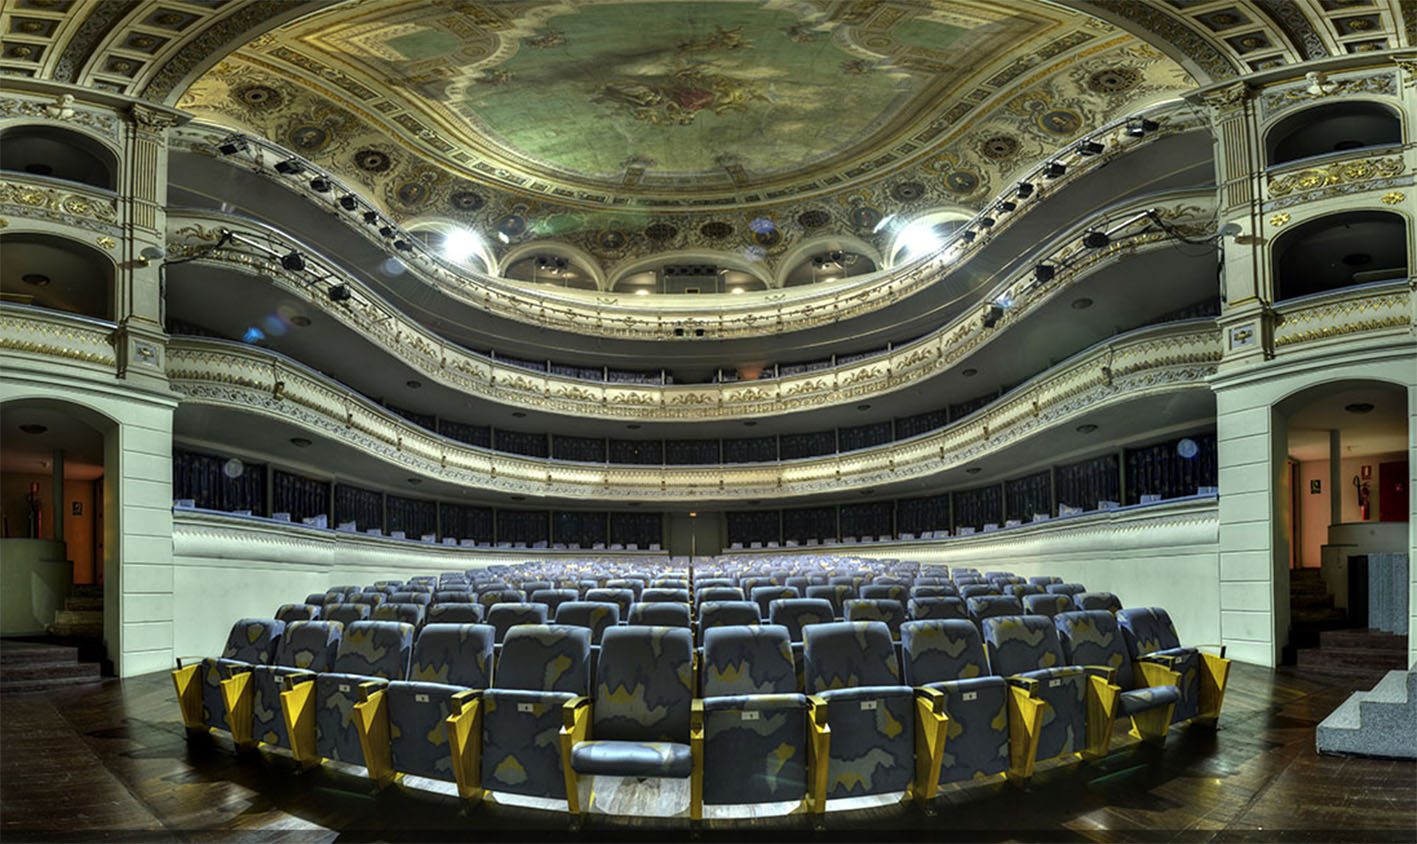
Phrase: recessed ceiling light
(37, 279)
(518, 497)
(519, 414)
(1086, 429)
(39, 169)
(33, 429)
(642, 292)
(1359, 407)
(750, 423)
(300, 320)
(973, 470)
(736, 290)
(413, 383)
(1082, 304)
(866, 491)
(633, 427)
(863, 407)
(300, 442)
(969, 373)
(415, 481)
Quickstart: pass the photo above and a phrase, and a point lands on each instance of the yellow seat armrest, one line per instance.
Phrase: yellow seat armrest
(1156, 674)
(931, 729)
(371, 719)
(464, 728)
(187, 680)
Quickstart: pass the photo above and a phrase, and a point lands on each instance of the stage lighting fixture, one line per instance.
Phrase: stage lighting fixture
(968, 236)
(1095, 240)
(290, 167)
(403, 245)
(1138, 127)
(1025, 190)
(1089, 148)
(371, 217)
(1043, 273)
(340, 293)
(320, 183)
(386, 230)
(986, 222)
(232, 145)
(1006, 206)
(349, 202)
(292, 261)
(992, 314)
(1054, 169)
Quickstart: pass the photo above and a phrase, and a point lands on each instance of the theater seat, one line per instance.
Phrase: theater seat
(414, 614)
(621, 598)
(455, 613)
(402, 727)
(347, 614)
(1049, 605)
(298, 612)
(873, 719)
(1092, 638)
(888, 591)
(726, 613)
(637, 721)
(250, 642)
(889, 612)
(595, 616)
(933, 590)
(659, 595)
(1151, 639)
(252, 698)
(920, 609)
(978, 590)
(1097, 601)
(837, 594)
(660, 613)
(504, 617)
(1064, 588)
(992, 606)
(948, 656)
(488, 597)
(705, 594)
(1023, 590)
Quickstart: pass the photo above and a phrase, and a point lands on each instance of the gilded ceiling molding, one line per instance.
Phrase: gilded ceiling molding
(1164, 29)
(1275, 99)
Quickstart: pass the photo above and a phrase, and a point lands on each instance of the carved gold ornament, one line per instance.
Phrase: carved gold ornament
(1341, 173)
(1393, 197)
(1278, 220)
(106, 242)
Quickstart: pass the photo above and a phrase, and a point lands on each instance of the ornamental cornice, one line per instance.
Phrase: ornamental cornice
(1381, 308)
(1278, 98)
(1175, 357)
(41, 109)
(1355, 171)
(61, 202)
(56, 336)
(901, 367)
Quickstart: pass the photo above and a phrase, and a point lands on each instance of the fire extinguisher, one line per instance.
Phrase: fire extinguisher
(1363, 503)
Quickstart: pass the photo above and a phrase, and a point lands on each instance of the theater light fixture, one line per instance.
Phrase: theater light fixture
(992, 315)
(292, 261)
(371, 217)
(349, 202)
(1043, 273)
(1054, 169)
(968, 236)
(340, 293)
(386, 230)
(986, 222)
(403, 245)
(320, 184)
(290, 167)
(1139, 127)
(1095, 240)
(232, 145)
(460, 245)
(1006, 206)
(1089, 148)
(1025, 190)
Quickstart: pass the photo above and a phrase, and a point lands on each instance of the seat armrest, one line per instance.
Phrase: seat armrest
(238, 695)
(818, 753)
(931, 729)
(371, 720)
(1025, 726)
(1102, 698)
(458, 702)
(1104, 672)
(297, 703)
(575, 728)
(190, 659)
(370, 687)
(1156, 659)
(696, 752)
(1027, 684)
(1214, 673)
(464, 729)
(1158, 673)
(289, 681)
(187, 680)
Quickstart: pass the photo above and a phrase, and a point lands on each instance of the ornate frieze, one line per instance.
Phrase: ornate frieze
(1280, 98)
(68, 203)
(1348, 172)
(49, 334)
(1343, 313)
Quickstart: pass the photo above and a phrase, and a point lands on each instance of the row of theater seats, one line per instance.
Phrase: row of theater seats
(803, 708)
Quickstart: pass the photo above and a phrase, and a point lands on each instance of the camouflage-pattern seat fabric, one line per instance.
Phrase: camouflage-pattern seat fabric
(621, 598)
(888, 591)
(530, 586)
(373, 599)
(460, 596)
(552, 598)
(1044, 579)
(1049, 605)
(447, 659)
(413, 614)
(454, 613)
(504, 617)
(338, 596)
(948, 656)
(798, 582)
(635, 586)
(369, 650)
(660, 613)
(891, 612)
(748, 584)
(251, 642)
(797, 613)
(306, 646)
(755, 721)
(1150, 635)
(670, 583)
(640, 714)
(595, 616)
(1092, 637)
(346, 613)
(1027, 647)
(1023, 590)
(298, 612)
(1065, 588)
(488, 597)
(852, 666)
(933, 590)
(726, 613)
(1097, 601)
(836, 594)
(315, 599)
(542, 667)
(763, 596)
(991, 606)
(705, 582)
(927, 608)
(977, 590)
(855, 581)
(408, 597)
(705, 594)
(661, 595)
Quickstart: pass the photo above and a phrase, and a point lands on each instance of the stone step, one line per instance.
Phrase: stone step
(19, 653)
(1366, 639)
(1352, 679)
(1298, 602)
(30, 672)
(85, 604)
(76, 631)
(1379, 722)
(45, 684)
(1366, 660)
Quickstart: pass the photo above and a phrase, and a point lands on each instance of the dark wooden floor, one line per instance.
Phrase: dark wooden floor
(111, 762)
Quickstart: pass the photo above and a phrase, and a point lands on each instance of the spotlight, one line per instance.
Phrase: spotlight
(340, 293)
(371, 217)
(1006, 206)
(1025, 190)
(968, 236)
(460, 244)
(1089, 148)
(986, 222)
(290, 167)
(320, 183)
(386, 230)
(232, 145)
(1054, 169)
(1043, 273)
(293, 262)
(403, 245)
(992, 314)
(1095, 240)
(348, 202)
(1138, 127)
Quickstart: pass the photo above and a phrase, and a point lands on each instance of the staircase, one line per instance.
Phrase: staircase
(36, 665)
(1310, 603)
(1380, 722)
(1354, 658)
(82, 615)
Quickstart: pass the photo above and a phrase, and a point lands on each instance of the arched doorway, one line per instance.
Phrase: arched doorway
(1344, 510)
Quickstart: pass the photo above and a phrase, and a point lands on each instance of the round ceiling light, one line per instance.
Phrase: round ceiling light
(973, 470)
(300, 442)
(1086, 429)
(633, 427)
(34, 429)
(518, 497)
(519, 414)
(969, 373)
(1359, 407)
(863, 407)
(415, 481)
(37, 279)
(413, 383)
(750, 423)
(300, 321)
(1082, 304)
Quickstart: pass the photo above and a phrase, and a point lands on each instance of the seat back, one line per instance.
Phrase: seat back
(849, 654)
(315, 599)
(644, 685)
(406, 613)
(763, 596)
(621, 598)
(407, 597)
(347, 613)
(460, 596)
(1092, 637)
(748, 584)
(941, 650)
(255, 640)
(488, 597)
(453, 654)
(375, 649)
(595, 616)
(553, 598)
(660, 595)
(931, 590)
(885, 610)
(798, 582)
(1065, 588)
(298, 612)
(1049, 605)
(503, 617)
(1019, 643)
(545, 658)
(725, 613)
(1147, 630)
(634, 586)
(530, 586)
(1097, 601)
(748, 660)
(990, 606)
(927, 608)
(1044, 579)
(798, 613)
(310, 645)
(1023, 590)
(660, 613)
(704, 594)
(670, 583)
(835, 594)
(888, 591)
(704, 582)
(977, 590)
(455, 613)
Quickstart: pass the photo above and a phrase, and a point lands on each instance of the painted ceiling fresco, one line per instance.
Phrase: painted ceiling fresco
(629, 128)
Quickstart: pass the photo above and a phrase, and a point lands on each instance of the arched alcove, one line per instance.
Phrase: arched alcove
(56, 273)
(1339, 250)
(1332, 127)
(59, 154)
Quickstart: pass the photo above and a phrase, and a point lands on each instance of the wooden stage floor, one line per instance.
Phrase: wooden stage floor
(111, 762)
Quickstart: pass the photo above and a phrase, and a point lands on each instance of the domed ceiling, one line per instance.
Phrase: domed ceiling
(627, 128)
